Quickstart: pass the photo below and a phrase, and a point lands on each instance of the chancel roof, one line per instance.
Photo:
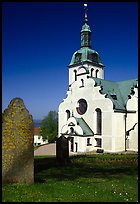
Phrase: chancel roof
(118, 92)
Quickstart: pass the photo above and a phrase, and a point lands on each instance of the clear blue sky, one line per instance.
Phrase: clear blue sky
(39, 39)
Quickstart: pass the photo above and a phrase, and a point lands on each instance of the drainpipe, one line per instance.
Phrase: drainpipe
(125, 116)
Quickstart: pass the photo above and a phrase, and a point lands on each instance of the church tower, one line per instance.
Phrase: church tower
(85, 58)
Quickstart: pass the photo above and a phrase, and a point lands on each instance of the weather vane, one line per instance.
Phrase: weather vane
(85, 5)
(86, 8)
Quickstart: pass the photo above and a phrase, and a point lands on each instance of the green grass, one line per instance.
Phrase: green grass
(87, 178)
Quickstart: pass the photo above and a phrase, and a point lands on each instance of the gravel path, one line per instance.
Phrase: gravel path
(48, 149)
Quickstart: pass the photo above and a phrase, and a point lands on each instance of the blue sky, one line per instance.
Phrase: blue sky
(39, 39)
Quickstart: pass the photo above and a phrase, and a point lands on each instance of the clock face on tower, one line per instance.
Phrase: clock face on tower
(82, 106)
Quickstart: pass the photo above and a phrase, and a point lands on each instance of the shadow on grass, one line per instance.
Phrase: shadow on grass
(86, 167)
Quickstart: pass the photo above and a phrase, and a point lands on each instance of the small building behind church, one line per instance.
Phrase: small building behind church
(97, 114)
(38, 139)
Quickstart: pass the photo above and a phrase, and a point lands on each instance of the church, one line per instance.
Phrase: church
(97, 114)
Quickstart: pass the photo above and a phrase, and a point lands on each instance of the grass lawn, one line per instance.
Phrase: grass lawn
(88, 178)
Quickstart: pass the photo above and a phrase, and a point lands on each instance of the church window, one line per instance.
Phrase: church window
(76, 146)
(98, 121)
(77, 57)
(68, 114)
(82, 106)
(82, 83)
(92, 72)
(88, 141)
(75, 75)
(71, 130)
(98, 142)
(96, 73)
(95, 58)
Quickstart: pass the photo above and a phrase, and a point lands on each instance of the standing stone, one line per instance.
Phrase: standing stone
(17, 144)
(62, 150)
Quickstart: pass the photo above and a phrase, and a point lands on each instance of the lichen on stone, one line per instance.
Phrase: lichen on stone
(17, 143)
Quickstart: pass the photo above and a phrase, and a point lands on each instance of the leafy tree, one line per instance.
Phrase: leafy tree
(49, 126)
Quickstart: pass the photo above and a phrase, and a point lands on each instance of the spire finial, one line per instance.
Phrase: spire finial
(86, 8)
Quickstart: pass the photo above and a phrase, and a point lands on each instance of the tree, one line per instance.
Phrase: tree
(49, 127)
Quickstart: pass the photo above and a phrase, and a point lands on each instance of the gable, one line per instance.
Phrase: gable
(118, 92)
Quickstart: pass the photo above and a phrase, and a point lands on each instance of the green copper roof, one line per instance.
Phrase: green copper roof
(86, 129)
(118, 92)
(85, 54)
(85, 27)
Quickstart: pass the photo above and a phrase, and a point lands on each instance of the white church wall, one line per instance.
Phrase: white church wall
(107, 132)
(107, 123)
(132, 119)
(132, 103)
(62, 115)
(72, 74)
(107, 143)
(119, 131)
(132, 122)
(133, 140)
(114, 132)
(90, 148)
(80, 144)
(94, 71)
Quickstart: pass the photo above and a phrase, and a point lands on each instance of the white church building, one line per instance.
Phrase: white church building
(97, 114)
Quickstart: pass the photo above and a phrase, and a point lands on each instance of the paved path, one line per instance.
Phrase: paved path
(48, 149)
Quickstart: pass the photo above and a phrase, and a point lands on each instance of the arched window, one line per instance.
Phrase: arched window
(95, 57)
(71, 130)
(92, 72)
(77, 57)
(98, 121)
(68, 114)
(75, 75)
(96, 72)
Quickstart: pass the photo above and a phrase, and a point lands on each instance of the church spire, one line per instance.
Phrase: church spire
(85, 32)
(86, 53)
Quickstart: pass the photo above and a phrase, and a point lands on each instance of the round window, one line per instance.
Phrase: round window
(82, 106)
